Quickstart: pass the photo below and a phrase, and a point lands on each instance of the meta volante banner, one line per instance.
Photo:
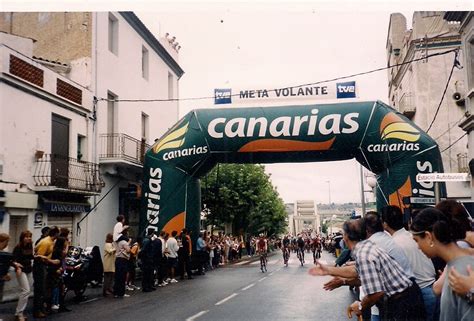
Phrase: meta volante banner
(380, 138)
(339, 90)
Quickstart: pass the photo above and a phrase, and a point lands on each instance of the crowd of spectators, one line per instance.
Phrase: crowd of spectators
(395, 264)
(162, 258)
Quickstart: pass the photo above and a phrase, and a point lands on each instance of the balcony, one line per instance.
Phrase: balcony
(463, 163)
(122, 148)
(407, 105)
(54, 172)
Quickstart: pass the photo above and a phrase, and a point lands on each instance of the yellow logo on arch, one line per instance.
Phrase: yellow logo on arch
(174, 139)
(392, 126)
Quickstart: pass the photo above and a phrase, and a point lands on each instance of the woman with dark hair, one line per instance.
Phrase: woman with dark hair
(96, 269)
(460, 218)
(23, 254)
(55, 272)
(436, 235)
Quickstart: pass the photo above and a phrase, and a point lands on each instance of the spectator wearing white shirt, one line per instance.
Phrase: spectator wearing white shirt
(118, 227)
(172, 246)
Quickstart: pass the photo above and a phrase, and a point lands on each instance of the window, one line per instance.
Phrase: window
(470, 63)
(81, 143)
(113, 34)
(144, 62)
(111, 106)
(170, 85)
(111, 123)
(144, 126)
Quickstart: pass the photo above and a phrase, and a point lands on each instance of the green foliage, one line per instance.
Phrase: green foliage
(324, 228)
(242, 194)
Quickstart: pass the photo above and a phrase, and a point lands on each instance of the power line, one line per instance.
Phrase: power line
(457, 140)
(455, 64)
(297, 86)
(450, 127)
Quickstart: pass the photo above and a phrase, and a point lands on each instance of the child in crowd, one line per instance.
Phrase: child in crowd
(55, 271)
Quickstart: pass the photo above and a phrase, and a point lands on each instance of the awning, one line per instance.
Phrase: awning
(67, 207)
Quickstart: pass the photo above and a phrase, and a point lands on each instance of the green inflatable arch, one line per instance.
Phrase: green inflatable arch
(380, 138)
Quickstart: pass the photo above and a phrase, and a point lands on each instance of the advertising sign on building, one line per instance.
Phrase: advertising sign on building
(222, 96)
(443, 177)
(286, 94)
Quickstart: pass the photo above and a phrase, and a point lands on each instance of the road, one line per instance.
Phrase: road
(236, 292)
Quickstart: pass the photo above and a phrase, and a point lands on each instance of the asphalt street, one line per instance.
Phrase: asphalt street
(235, 292)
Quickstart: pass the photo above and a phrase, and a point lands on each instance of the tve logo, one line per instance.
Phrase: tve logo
(346, 89)
(222, 96)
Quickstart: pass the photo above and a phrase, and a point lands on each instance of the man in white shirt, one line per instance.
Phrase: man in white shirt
(118, 227)
(422, 266)
(173, 248)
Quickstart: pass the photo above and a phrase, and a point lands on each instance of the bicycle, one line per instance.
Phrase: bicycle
(286, 255)
(300, 253)
(263, 262)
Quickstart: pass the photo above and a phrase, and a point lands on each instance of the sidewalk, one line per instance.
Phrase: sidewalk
(10, 294)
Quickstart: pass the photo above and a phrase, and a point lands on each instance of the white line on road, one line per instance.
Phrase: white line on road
(226, 299)
(262, 279)
(248, 286)
(91, 300)
(271, 273)
(197, 315)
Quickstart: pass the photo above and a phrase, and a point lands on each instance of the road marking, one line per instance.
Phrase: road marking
(262, 279)
(226, 299)
(248, 286)
(91, 300)
(271, 273)
(197, 315)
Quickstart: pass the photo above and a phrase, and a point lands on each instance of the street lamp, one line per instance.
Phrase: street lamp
(329, 189)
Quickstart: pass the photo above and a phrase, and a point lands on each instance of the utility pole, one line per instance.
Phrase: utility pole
(362, 191)
(329, 189)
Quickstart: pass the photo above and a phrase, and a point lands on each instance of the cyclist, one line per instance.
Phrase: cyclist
(301, 243)
(262, 247)
(285, 244)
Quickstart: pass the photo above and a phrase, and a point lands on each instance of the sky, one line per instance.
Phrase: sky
(266, 45)
(237, 44)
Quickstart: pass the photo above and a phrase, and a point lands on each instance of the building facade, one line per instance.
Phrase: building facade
(46, 179)
(465, 19)
(133, 79)
(302, 216)
(431, 90)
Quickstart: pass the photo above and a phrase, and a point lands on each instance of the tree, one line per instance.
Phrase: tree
(243, 194)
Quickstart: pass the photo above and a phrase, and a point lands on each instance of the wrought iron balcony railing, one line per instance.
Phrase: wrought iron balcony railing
(122, 147)
(463, 163)
(407, 104)
(67, 173)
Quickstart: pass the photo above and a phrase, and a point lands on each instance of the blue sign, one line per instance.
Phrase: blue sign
(346, 89)
(222, 96)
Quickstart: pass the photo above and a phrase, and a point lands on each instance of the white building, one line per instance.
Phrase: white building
(302, 215)
(133, 77)
(465, 20)
(44, 179)
(416, 89)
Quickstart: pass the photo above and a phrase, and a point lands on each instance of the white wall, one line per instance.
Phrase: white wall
(122, 75)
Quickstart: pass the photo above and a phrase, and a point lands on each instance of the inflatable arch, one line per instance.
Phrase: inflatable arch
(380, 138)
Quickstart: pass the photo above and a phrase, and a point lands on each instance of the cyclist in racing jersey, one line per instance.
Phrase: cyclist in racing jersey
(301, 243)
(285, 248)
(262, 247)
